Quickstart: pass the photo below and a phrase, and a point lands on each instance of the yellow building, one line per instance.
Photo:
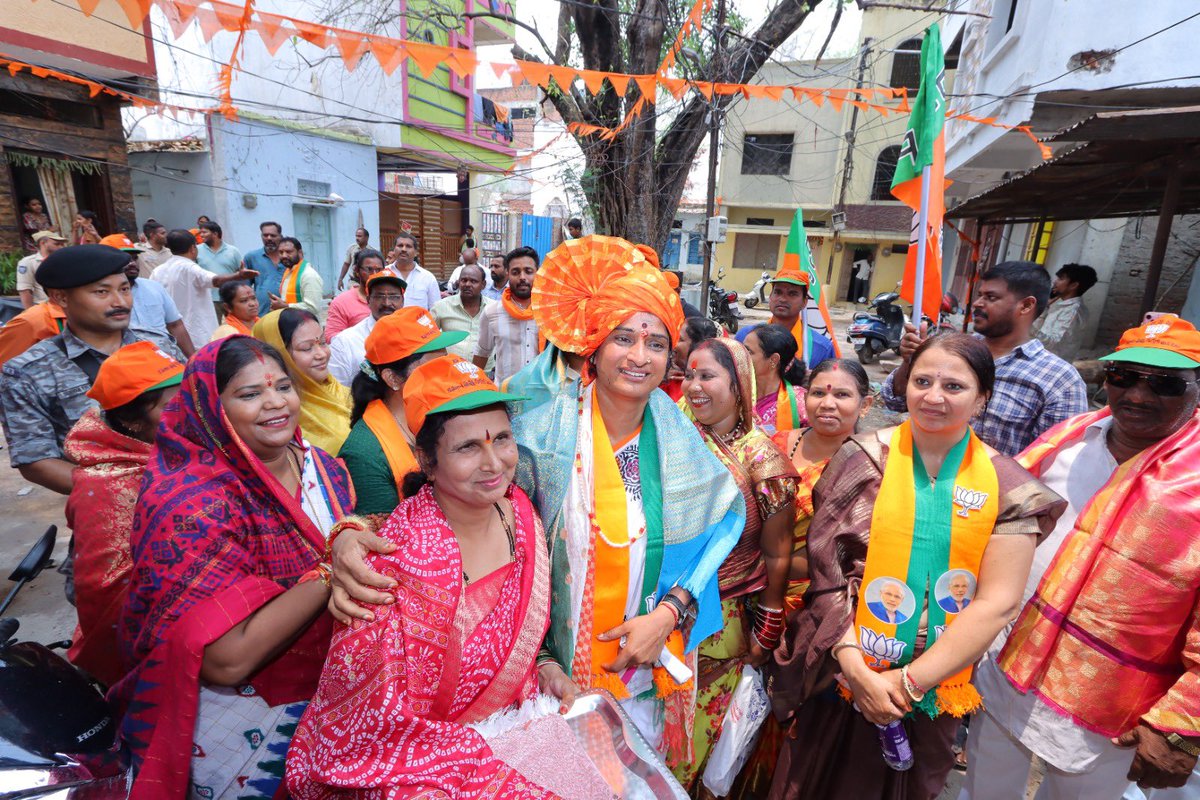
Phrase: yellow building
(778, 156)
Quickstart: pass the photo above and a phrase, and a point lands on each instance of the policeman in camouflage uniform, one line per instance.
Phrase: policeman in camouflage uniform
(42, 391)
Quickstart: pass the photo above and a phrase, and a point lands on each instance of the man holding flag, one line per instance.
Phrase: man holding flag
(1035, 389)
(796, 298)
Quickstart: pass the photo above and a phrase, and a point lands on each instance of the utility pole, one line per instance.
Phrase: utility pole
(848, 164)
(714, 135)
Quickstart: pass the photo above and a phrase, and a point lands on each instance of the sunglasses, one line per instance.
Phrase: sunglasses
(1161, 385)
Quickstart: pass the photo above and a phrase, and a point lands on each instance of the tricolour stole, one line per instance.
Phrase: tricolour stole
(927, 539)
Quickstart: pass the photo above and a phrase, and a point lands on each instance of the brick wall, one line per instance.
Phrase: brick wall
(1121, 309)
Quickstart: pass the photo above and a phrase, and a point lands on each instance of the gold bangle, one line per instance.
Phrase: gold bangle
(833, 651)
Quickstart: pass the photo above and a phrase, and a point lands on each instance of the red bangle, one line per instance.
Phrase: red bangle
(352, 523)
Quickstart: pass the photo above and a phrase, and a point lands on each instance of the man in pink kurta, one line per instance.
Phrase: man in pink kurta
(1100, 677)
(350, 307)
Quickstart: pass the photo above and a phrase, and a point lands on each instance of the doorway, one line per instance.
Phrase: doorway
(313, 227)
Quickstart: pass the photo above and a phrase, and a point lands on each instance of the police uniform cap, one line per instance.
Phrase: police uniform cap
(79, 265)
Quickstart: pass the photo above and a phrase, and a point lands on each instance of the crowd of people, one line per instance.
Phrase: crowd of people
(321, 547)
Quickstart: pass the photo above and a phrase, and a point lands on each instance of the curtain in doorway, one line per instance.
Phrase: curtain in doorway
(59, 192)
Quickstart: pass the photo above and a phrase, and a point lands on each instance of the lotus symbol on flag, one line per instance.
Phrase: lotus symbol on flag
(1155, 330)
(968, 500)
(879, 647)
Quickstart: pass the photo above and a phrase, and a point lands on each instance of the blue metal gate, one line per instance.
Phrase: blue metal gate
(537, 232)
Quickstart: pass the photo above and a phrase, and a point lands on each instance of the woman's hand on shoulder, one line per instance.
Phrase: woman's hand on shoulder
(354, 582)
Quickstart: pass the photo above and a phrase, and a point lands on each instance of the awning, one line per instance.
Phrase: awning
(1115, 164)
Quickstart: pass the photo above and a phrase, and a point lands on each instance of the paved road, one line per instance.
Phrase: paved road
(41, 605)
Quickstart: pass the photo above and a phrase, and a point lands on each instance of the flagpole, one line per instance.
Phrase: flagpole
(922, 246)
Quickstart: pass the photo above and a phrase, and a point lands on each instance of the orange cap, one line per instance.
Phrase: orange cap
(448, 383)
(1166, 341)
(405, 332)
(672, 278)
(794, 276)
(131, 371)
(386, 276)
(120, 241)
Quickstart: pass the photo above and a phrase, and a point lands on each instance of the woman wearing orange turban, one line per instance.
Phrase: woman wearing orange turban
(632, 554)
(638, 511)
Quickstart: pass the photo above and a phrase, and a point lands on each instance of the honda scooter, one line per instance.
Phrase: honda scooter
(58, 735)
(758, 294)
(872, 334)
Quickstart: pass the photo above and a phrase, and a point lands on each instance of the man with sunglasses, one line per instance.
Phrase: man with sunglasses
(1100, 676)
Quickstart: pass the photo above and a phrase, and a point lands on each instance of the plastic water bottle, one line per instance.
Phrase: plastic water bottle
(897, 751)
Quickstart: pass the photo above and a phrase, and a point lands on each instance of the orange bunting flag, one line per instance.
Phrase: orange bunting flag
(317, 35)
(676, 86)
(836, 98)
(648, 85)
(593, 80)
(229, 16)
(88, 7)
(619, 82)
(462, 62)
(136, 11)
(774, 92)
(534, 73)
(179, 15)
(351, 46)
(209, 23)
(427, 56)
(563, 76)
(271, 31)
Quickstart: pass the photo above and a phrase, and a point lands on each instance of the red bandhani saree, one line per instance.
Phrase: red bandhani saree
(100, 513)
(215, 537)
(389, 718)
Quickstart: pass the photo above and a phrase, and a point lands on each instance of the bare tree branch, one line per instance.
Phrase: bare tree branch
(837, 16)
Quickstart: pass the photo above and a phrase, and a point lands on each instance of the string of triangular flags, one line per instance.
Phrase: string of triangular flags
(213, 16)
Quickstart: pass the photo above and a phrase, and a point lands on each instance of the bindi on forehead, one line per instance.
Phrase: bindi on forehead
(487, 436)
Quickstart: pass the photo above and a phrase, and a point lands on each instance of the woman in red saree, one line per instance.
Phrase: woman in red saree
(460, 640)
(224, 627)
(111, 446)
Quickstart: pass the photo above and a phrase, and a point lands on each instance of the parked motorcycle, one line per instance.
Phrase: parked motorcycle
(58, 735)
(722, 305)
(872, 334)
(758, 294)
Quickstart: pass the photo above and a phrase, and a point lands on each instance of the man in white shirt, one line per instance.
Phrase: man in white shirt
(153, 309)
(157, 251)
(362, 238)
(27, 287)
(188, 284)
(385, 294)
(1062, 327)
(507, 330)
(499, 278)
(423, 287)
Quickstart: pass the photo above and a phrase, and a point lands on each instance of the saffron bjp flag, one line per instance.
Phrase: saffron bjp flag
(797, 256)
(924, 146)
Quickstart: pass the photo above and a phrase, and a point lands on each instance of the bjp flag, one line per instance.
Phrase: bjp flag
(924, 146)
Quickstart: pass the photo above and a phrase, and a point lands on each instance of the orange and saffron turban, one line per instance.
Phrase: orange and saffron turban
(586, 287)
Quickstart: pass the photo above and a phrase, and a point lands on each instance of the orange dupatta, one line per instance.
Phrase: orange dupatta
(380, 421)
(289, 288)
(238, 325)
(522, 314)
